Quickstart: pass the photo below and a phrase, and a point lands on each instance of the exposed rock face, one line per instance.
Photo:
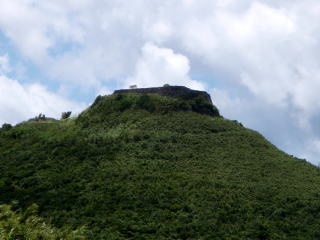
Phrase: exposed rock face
(170, 91)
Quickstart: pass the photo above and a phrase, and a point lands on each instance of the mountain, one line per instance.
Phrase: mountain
(158, 164)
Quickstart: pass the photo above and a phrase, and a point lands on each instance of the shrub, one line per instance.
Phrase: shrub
(124, 104)
(201, 105)
(40, 117)
(97, 100)
(118, 96)
(27, 225)
(145, 102)
(6, 126)
(184, 106)
(65, 115)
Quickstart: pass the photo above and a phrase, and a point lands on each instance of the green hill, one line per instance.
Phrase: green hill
(138, 166)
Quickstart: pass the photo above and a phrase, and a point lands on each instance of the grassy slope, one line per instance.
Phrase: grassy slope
(135, 167)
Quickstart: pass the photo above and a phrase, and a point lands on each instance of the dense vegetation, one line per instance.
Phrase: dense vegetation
(136, 166)
(28, 226)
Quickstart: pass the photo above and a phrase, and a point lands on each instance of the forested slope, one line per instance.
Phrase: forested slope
(136, 166)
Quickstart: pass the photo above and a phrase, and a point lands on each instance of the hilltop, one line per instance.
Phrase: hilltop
(145, 165)
(169, 91)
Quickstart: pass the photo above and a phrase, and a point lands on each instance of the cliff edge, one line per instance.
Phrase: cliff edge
(169, 91)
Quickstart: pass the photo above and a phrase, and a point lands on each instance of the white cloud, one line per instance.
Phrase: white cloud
(158, 66)
(104, 91)
(312, 150)
(231, 107)
(21, 102)
(158, 32)
(4, 64)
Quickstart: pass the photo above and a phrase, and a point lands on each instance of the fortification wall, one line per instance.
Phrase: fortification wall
(170, 91)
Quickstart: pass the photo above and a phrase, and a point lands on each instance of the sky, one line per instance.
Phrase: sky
(259, 59)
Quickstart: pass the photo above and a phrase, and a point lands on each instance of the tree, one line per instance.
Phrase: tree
(40, 117)
(66, 115)
(133, 86)
(6, 126)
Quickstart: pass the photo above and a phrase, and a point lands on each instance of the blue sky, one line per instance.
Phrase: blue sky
(259, 60)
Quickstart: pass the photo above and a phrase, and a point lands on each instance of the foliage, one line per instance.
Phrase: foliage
(6, 126)
(136, 166)
(65, 115)
(28, 226)
(152, 103)
(40, 117)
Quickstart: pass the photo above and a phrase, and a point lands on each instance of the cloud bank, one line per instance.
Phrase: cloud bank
(19, 102)
(159, 66)
(260, 57)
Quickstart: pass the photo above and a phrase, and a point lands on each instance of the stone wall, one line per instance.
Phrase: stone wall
(170, 91)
